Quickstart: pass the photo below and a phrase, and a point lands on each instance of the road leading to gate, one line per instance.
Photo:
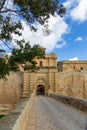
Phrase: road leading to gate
(49, 114)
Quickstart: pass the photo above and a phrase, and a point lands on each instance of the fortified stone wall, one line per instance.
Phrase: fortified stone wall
(69, 78)
(71, 84)
(44, 76)
(10, 91)
(50, 60)
(68, 66)
(63, 83)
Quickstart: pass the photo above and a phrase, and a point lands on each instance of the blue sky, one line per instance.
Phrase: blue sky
(76, 38)
(68, 37)
(69, 34)
(76, 42)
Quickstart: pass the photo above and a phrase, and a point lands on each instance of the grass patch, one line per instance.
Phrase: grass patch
(1, 116)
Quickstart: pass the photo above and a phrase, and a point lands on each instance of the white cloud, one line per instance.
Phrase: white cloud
(77, 9)
(9, 54)
(63, 43)
(8, 4)
(80, 11)
(58, 27)
(73, 59)
(69, 4)
(78, 39)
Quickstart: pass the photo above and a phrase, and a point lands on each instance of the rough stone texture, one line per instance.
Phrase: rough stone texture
(72, 84)
(63, 83)
(44, 76)
(68, 83)
(70, 66)
(10, 91)
(50, 60)
(19, 117)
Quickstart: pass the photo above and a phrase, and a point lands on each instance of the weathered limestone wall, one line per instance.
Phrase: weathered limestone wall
(71, 84)
(18, 118)
(10, 91)
(63, 83)
(44, 76)
(68, 66)
(50, 60)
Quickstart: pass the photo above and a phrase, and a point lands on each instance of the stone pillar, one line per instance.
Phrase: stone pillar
(51, 82)
(25, 84)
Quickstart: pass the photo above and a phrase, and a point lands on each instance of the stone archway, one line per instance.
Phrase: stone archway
(40, 87)
(40, 90)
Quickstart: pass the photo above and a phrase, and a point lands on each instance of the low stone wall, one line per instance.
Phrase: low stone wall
(78, 103)
(19, 117)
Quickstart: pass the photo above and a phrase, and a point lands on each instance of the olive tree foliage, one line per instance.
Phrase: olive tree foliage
(30, 11)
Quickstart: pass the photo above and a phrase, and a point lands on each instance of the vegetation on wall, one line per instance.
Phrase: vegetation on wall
(1, 116)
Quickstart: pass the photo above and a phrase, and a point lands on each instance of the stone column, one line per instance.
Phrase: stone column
(51, 81)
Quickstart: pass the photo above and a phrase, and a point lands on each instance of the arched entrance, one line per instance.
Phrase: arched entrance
(40, 90)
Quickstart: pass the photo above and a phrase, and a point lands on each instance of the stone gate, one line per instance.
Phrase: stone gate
(44, 77)
(71, 80)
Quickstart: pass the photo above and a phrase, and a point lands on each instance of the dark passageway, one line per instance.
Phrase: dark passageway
(40, 90)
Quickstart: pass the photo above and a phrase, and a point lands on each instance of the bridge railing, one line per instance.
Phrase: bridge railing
(18, 118)
(78, 103)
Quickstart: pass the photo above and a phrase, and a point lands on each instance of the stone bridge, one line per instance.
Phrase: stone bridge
(37, 112)
(46, 113)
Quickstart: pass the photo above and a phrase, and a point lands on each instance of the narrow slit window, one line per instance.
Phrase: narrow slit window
(74, 67)
(41, 63)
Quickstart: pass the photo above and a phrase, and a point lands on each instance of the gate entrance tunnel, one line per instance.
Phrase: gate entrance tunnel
(40, 90)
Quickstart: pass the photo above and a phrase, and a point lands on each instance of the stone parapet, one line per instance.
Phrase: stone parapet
(80, 104)
(18, 118)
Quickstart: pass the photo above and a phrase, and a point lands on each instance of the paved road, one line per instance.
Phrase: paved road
(49, 114)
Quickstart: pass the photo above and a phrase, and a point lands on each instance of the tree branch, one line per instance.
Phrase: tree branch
(9, 10)
(2, 4)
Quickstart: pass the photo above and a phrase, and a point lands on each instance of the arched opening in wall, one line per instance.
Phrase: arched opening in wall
(40, 90)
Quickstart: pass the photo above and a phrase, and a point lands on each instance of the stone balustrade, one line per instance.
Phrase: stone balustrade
(78, 103)
(18, 118)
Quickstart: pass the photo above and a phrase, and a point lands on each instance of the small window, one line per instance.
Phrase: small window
(81, 68)
(41, 63)
(74, 67)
